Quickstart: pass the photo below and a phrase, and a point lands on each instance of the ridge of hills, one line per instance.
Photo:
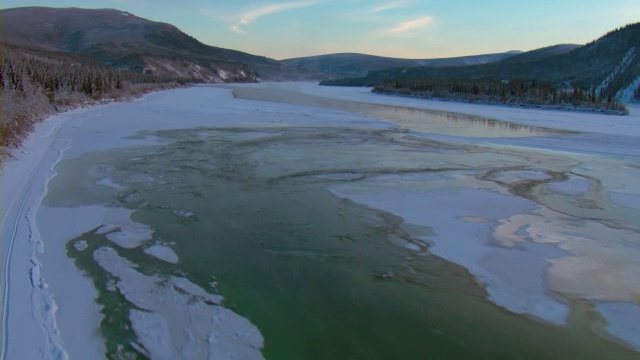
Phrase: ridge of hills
(121, 40)
(342, 65)
(127, 42)
(124, 41)
(608, 66)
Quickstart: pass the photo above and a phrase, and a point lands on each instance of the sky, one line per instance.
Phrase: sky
(422, 29)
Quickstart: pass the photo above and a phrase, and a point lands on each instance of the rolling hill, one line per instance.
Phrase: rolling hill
(342, 65)
(609, 66)
(122, 40)
(541, 54)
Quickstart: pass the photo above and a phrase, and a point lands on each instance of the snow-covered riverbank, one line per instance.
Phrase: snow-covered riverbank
(50, 310)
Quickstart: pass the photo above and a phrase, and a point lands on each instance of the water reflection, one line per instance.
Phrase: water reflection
(447, 123)
(421, 120)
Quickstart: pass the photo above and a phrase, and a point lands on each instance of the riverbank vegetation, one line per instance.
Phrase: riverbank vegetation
(37, 84)
(511, 92)
(595, 77)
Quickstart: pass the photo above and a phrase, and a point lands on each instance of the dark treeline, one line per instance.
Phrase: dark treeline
(588, 77)
(514, 92)
(34, 86)
(53, 79)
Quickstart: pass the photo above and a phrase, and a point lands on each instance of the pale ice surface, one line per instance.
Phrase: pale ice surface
(153, 333)
(603, 261)
(530, 175)
(162, 252)
(180, 320)
(623, 321)
(105, 229)
(513, 279)
(184, 213)
(131, 235)
(625, 199)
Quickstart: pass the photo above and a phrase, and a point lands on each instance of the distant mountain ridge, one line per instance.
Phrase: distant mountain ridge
(609, 66)
(122, 40)
(542, 53)
(342, 65)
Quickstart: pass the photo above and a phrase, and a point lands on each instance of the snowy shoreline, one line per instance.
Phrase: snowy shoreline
(28, 307)
(31, 305)
(552, 119)
(52, 305)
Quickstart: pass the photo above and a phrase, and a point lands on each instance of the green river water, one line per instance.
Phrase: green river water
(315, 273)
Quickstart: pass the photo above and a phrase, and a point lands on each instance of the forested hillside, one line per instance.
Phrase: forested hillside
(541, 54)
(607, 68)
(37, 83)
(53, 59)
(333, 66)
(122, 40)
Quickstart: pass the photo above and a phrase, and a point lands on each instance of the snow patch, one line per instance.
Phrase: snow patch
(628, 94)
(179, 319)
(627, 59)
(80, 245)
(223, 74)
(153, 333)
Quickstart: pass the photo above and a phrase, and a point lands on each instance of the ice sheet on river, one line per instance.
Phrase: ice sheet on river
(109, 127)
(514, 279)
(162, 252)
(178, 319)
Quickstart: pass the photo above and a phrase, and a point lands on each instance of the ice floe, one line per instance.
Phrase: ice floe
(131, 235)
(162, 252)
(80, 245)
(176, 318)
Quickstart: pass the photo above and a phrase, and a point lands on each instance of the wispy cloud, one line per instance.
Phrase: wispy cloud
(253, 14)
(236, 29)
(239, 20)
(419, 23)
(389, 5)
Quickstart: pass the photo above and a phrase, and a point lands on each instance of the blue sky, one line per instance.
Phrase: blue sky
(397, 28)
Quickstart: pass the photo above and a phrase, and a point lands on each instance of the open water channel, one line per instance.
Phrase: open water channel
(294, 225)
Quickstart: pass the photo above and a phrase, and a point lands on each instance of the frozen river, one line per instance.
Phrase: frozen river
(291, 221)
